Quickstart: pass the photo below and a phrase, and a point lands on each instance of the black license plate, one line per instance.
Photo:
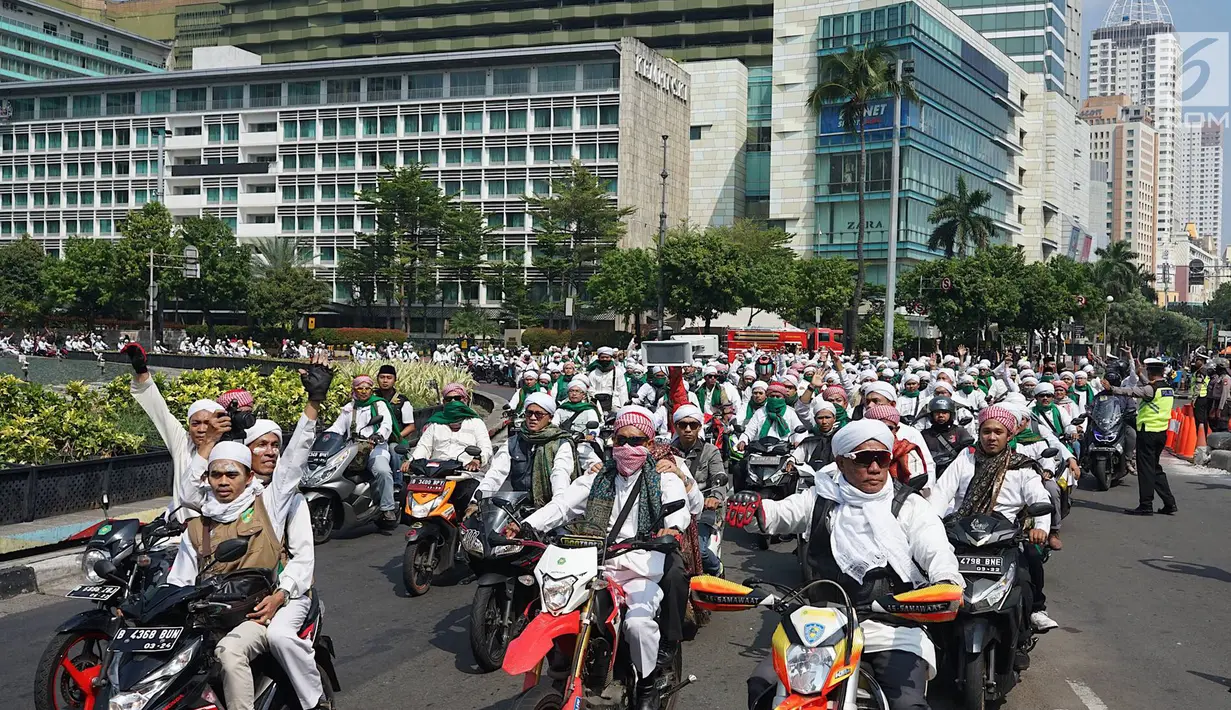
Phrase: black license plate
(577, 542)
(423, 484)
(980, 564)
(146, 640)
(94, 592)
(317, 458)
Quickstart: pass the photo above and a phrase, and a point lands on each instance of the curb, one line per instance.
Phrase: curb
(41, 575)
(18, 580)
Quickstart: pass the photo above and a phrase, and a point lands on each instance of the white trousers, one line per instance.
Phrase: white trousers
(644, 596)
(238, 649)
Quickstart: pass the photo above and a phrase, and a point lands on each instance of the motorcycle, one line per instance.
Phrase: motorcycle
(981, 645)
(160, 653)
(1104, 446)
(818, 650)
(338, 487)
(505, 589)
(577, 633)
(432, 543)
(767, 469)
(142, 556)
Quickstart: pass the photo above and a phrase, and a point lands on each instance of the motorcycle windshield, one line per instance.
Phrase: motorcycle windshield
(328, 444)
(1107, 414)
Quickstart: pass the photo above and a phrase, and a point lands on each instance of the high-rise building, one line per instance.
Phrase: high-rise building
(1136, 53)
(38, 42)
(1123, 135)
(185, 24)
(1199, 196)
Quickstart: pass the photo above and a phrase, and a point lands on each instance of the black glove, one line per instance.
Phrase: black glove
(137, 357)
(316, 380)
(743, 507)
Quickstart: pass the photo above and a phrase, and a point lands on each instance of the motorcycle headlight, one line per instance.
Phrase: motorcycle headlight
(808, 668)
(422, 510)
(557, 592)
(88, 560)
(155, 683)
(991, 596)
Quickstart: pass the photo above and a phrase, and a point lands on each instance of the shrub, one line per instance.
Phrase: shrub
(220, 331)
(538, 339)
(346, 336)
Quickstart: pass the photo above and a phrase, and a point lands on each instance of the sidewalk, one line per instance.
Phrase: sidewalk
(20, 538)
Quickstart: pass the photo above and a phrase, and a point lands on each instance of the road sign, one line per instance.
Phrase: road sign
(311, 322)
(568, 307)
(1081, 301)
(946, 284)
(1196, 267)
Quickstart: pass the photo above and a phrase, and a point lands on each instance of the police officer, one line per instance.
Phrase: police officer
(1153, 416)
(1200, 389)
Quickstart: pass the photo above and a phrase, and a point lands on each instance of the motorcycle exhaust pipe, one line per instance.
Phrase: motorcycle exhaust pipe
(678, 687)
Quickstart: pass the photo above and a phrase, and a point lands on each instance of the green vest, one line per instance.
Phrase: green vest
(1154, 414)
(1201, 385)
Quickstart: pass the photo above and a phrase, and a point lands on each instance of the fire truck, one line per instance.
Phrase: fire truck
(764, 339)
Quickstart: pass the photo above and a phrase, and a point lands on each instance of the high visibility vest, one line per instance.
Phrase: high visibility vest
(1201, 384)
(1155, 413)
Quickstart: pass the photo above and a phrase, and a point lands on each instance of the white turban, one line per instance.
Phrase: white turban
(530, 372)
(231, 451)
(946, 372)
(760, 386)
(820, 405)
(912, 377)
(986, 364)
(883, 388)
(688, 411)
(580, 383)
(867, 376)
(709, 370)
(545, 402)
(204, 405)
(1044, 388)
(857, 432)
(1081, 375)
(261, 428)
(1019, 409)
(606, 351)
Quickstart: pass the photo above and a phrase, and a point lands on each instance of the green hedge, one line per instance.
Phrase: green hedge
(538, 339)
(346, 336)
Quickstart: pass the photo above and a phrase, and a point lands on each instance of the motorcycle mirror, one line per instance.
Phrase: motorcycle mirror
(751, 581)
(105, 569)
(1079, 420)
(401, 449)
(1038, 510)
(473, 451)
(1050, 452)
(506, 407)
(105, 502)
(801, 429)
(231, 550)
(738, 429)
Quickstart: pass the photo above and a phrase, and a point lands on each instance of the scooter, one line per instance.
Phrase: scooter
(577, 633)
(818, 650)
(338, 487)
(766, 471)
(1104, 446)
(980, 647)
(505, 587)
(432, 543)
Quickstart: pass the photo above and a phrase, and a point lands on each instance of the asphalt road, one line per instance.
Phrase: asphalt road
(1139, 601)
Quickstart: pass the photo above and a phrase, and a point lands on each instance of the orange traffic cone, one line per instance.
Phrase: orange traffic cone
(1173, 430)
(1201, 436)
(1188, 435)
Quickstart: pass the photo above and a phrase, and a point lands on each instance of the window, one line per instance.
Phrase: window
(305, 224)
(367, 222)
(329, 161)
(307, 162)
(346, 223)
(472, 156)
(542, 118)
(410, 124)
(453, 156)
(608, 151)
(426, 86)
(694, 133)
(429, 123)
(230, 132)
(562, 117)
(290, 130)
(588, 116)
(329, 192)
(288, 224)
(214, 134)
(104, 168)
(510, 81)
(609, 115)
(328, 254)
(288, 193)
(369, 159)
(346, 160)
(516, 219)
(516, 188)
(453, 122)
(497, 120)
(542, 153)
(472, 188)
(517, 154)
(290, 162)
(495, 188)
(558, 78)
(587, 151)
(542, 187)
(302, 93)
(495, 156)
(40, 171)
(328, 224)
(212, 195)
(369, 126)
(517, 120)
(388, 125)
(473, 120)
(306, 192)
(468, 83)
(562, 152)
(430, 157)
(346, 127)
(329, 128)
(307, 129)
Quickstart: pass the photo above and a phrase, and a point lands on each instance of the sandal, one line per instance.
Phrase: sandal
(1054, 542)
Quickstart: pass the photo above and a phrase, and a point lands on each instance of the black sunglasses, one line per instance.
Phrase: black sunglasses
(455, 398)
(621, 440)
(690, 425)
(869, 456)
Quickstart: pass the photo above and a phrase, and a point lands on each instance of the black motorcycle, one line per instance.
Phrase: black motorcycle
(981, 644)
(72, 657)
(1104, 447)
(765, 469)
(506, 586)
(160, 654)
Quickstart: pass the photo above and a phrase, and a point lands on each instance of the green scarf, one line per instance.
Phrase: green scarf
(752, 408)
(909, 395)
(985, 383)
(715, 399)
(634, 384)
(791, 399)
(601, 504)
(1025, 437)
(598, 365)
(526, 392)
(1073, 396)
(1047, 377)
(658, 381)
(561, 387)
(1054, 412)
(1089, 390)
(774, 410)
(842, 416)
(969, 389)
(453, 413)
(370, 403)
(578, 406)
(546, 442)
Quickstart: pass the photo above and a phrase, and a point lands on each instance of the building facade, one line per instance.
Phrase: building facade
(1199, 197)
(280, 151)
(1123, 135)
(40, 42)
(1136, 53)
(1035, 35)
(185, 24)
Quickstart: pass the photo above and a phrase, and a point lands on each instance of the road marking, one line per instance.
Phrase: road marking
(1087, 696)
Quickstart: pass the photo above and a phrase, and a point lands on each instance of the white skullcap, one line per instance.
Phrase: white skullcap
(887, 372)
(867, 376)
(832, 378)
(760, 385)
(943, 385)
(1019, 409)
(820, 405)
(791, 380)
(1081, 375)
(857, 432)
(966, 380)
(1044, 388)
(231, 451)
(883, 388)
(1030, 380)
(1016, 398)
(528, 372)
(972, 371)
(912, 377)
(606, 351)
(658, 370)
(1088, 369)
(946, 372)
(261, 428)
(545, 402)
(688, 411)
(709, 370)
(985, 363)
(579, 383)
(204, 405)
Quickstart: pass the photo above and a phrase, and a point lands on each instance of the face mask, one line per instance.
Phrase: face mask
(629, 459)
(967, 388)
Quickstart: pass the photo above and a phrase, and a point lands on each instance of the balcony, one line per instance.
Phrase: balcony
(600, 84)
(520, 87)
(225, 104)
(213, 169)
(257, 230)
(385, 95)
(53, 113)
(184, 106)
(185, 202)
(259, 199)
(265, 101)
(556, 87)
(176, 142)
(342, 97)
(430, 92)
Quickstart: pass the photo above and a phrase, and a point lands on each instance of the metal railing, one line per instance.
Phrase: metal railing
(31, 492)
(82, 42)
(342, 97)
(385, 95)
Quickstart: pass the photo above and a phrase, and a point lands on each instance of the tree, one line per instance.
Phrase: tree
(272, 254)
(283, 294)
(958, 221)
(1132, 320)
(1045, 303)
(765, 261)
(574, 227)
(626, 284)
(854, 79)
(1173, 331)
(473, 322)
(83, 280)
(872, 333)
(225, 268)
(22, 294)
(984, 291)
(359, 268)
(506, 282)
(464, 243)
(143, 230)
(1116, 270)
(701, 276)
(820, 283)
(1219, 305)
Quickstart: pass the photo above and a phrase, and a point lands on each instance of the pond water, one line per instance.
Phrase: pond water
(50, 371)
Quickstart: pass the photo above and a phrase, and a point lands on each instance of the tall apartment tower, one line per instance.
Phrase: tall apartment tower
(1199, 195)
(1137, 53)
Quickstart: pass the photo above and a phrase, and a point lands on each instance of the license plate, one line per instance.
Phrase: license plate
(146, 640)
(94, 592)
(422, 484)
(316, 458)
(758, 460)
(980, 564)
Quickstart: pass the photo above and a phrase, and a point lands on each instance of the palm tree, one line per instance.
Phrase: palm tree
(855, 79)
(270, 254)
(958, 222)
(1116, 269)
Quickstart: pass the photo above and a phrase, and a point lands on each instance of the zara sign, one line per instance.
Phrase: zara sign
(655, 71)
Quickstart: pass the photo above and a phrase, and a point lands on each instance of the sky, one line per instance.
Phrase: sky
(1189, 16)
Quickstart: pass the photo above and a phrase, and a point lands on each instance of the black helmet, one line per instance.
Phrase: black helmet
(1113, 378)
(942, 404)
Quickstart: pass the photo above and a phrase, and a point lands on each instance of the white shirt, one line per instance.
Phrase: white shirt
(438, 441)
(343, 424)
(912, 407)
(179, 445)
(929, 547)
(571, 504)
(915, 437)
(1021, 487)
(612, 383)
(581, 424)
(752, 430)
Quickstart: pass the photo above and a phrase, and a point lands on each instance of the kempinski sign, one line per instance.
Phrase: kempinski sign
(654, 70)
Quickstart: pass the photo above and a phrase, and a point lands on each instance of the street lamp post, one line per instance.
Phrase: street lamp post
(891, 262)
(1106, 345)
(662, 238)
(188, 261)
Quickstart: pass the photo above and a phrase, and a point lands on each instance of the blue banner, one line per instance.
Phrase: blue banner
(877, 116)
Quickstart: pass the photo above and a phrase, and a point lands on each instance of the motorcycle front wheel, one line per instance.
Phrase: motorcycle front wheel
(55, 687)
(489, 637)
(1099, 468)
(419, 563)
(324, 520)
(540, 697)
(974, 694)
